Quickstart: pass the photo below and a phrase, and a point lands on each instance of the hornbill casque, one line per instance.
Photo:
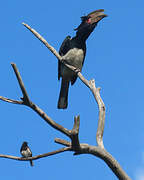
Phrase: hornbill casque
(73, 51)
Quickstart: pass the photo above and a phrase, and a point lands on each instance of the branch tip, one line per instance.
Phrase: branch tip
(62, 142)
(21, 84)
(76, 124)
(12, 63)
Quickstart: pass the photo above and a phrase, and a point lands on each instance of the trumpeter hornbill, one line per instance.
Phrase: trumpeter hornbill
(73, 51)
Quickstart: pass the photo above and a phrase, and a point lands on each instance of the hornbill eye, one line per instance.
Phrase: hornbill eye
(88, 20)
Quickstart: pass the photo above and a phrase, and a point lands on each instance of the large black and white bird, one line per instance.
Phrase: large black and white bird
(73, 51)
(26, 152)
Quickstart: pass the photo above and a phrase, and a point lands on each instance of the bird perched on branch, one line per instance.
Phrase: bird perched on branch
(26, 152)
(73, 51)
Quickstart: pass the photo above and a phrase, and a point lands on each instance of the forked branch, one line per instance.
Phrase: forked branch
(90, 84)
(73, 134)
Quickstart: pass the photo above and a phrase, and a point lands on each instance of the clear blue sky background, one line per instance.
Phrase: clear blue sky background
(115, 59)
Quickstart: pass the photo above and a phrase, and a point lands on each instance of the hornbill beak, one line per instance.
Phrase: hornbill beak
(96, 16)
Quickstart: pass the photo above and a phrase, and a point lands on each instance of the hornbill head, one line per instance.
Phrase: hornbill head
(89, 22)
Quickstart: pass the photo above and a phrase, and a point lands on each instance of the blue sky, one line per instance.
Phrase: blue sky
(114, 58)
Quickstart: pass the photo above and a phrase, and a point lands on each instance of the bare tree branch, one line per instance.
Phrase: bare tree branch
(73, 134)
(25, 95)
(36, 157)
(43, 41)
(111, 162)
(97, 151)
(86, 82)
(90, 84)
(10, 100)
(62, 142)
(30, 104)
(52, 123)
(84, 149)
(101, 121)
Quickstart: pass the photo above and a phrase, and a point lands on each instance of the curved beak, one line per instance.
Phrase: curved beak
(96, 16)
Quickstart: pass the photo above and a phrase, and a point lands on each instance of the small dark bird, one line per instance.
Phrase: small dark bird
(26, 152)
(73, 51)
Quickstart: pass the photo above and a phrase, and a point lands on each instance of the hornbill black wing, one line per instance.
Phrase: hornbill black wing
(63, 50)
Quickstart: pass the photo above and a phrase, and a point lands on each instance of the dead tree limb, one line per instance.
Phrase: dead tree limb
(90, 84)
(36, 157)
(74, 145)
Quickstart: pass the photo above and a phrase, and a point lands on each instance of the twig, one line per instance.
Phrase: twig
(43, 41)
(51, 122)
(36, 157)
(21, 84)
(62, 142)
(10, 100)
